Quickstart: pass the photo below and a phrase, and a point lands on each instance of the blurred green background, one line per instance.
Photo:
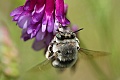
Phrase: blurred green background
(100, 20)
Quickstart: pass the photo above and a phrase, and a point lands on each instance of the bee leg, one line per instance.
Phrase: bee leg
(49, 52)
(50, 55)
(53, 56)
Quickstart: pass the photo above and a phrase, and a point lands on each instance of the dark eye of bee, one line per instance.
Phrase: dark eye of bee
(60, 37)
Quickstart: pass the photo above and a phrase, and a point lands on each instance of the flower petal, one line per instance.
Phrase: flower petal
(39, 5)
(40, 35)
(50, 25)
(44, 27)
(59, 7)
(29, 5)
(60, 12)
(25, 36)
(38, 45)
(33, 29)
(36, 17)
(48, 38)
(49, 9)
(44, 23)
(24, 21)
(17, 11)
(16, 17)
(56, 25)
(65, 9)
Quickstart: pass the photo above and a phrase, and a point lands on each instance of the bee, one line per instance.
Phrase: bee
(63, 50)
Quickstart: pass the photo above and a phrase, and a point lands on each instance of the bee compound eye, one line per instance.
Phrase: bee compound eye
(59, 36)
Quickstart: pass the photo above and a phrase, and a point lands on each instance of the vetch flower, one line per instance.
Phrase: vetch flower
(39, 19)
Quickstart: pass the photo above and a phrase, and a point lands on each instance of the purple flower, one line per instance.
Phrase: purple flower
(39, 19)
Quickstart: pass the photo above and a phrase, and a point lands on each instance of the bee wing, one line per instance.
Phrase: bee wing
(91, 53)
(41, 66)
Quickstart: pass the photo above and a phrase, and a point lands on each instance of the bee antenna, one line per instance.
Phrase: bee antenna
(78, 30)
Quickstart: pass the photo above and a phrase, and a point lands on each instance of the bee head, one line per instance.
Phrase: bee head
(65, 33)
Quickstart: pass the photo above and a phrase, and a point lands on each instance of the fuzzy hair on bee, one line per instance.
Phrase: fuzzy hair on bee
(63, 49)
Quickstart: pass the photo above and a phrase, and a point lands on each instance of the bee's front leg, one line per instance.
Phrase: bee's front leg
(50, 54)
(53, 56)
